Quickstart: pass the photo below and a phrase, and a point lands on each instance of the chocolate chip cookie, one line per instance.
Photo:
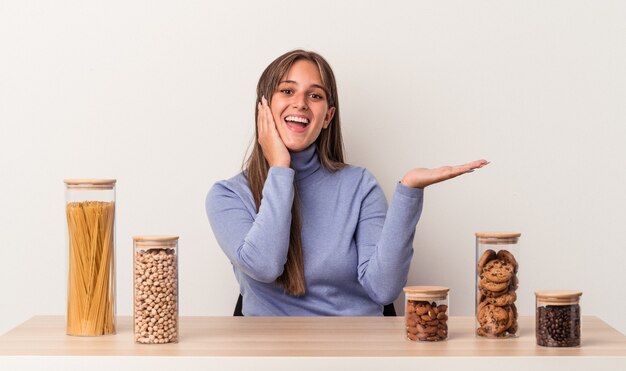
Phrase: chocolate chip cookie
(498, 271)
(494, 320)
(497, 282)
(487, 256)
(507, 257)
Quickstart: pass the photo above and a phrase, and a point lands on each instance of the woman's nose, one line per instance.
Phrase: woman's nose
(299, 102)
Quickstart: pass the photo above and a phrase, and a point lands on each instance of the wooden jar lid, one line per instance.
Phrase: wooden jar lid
(558, 297)
(427, 292)
(90, 183)
(154, 241)
(497, 238)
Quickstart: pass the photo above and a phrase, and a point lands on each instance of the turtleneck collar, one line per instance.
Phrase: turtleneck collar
(306, 163)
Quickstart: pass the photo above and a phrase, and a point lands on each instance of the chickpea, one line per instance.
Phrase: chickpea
(156, 296)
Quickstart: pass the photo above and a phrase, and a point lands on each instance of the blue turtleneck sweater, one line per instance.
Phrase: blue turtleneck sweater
(356, 252)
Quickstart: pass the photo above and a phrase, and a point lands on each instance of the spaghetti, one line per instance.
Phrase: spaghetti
(91, 291)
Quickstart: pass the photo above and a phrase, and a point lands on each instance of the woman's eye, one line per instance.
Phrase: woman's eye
(316, 96)
(286, 91)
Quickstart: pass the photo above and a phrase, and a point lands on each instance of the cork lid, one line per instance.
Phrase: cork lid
(556, 297)
(430, 292)
(90, 183)
(154, 241)
(498, 238)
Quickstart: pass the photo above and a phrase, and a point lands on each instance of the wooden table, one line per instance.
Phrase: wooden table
(306, 343)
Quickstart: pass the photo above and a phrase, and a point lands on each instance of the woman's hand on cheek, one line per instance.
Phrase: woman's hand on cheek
(421, 177)
(274, 148)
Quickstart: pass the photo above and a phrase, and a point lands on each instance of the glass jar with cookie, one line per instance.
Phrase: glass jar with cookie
(426, 313)
(497, 281)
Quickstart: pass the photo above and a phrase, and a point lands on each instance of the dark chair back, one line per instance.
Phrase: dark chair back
(388, 310)
(239, 307)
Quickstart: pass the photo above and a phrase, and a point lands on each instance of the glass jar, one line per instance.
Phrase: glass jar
(426, 313)
(497, 255)
(155, 314)
(557, 318)
(90, 217)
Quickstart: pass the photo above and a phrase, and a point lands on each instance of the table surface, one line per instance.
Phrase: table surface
(302, 336)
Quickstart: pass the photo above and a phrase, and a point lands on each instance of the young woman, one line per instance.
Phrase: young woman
(306, 233)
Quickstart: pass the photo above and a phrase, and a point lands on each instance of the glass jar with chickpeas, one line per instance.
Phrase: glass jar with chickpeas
(155, 315)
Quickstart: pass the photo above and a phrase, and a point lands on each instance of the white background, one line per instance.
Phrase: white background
(160, 96)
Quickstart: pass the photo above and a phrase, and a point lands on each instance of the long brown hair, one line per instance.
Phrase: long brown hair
(329, 149)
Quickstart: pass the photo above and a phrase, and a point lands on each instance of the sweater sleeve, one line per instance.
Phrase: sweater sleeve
(385, 243)
(257, 244)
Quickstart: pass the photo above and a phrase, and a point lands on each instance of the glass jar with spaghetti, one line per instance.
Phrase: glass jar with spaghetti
(155, 315)
(90, 216)
(426, 313)
(497, 256)
(557, 318)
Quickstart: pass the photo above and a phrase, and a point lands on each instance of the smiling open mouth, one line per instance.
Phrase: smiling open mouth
(297, 123)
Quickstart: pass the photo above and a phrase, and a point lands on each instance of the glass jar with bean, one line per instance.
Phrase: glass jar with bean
(155, 315)
(557, 320)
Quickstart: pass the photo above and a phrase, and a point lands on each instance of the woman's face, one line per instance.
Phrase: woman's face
(299, 106)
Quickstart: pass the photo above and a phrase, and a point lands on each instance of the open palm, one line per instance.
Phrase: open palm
(423, 177)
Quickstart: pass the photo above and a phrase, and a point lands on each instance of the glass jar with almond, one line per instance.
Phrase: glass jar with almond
(426, 313)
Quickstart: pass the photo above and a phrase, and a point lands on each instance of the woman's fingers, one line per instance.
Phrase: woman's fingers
(465, 168)
(477, 164)
(260, 120)
(266, 119)
(274, 149)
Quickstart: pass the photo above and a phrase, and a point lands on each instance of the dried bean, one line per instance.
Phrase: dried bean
(156, 290)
